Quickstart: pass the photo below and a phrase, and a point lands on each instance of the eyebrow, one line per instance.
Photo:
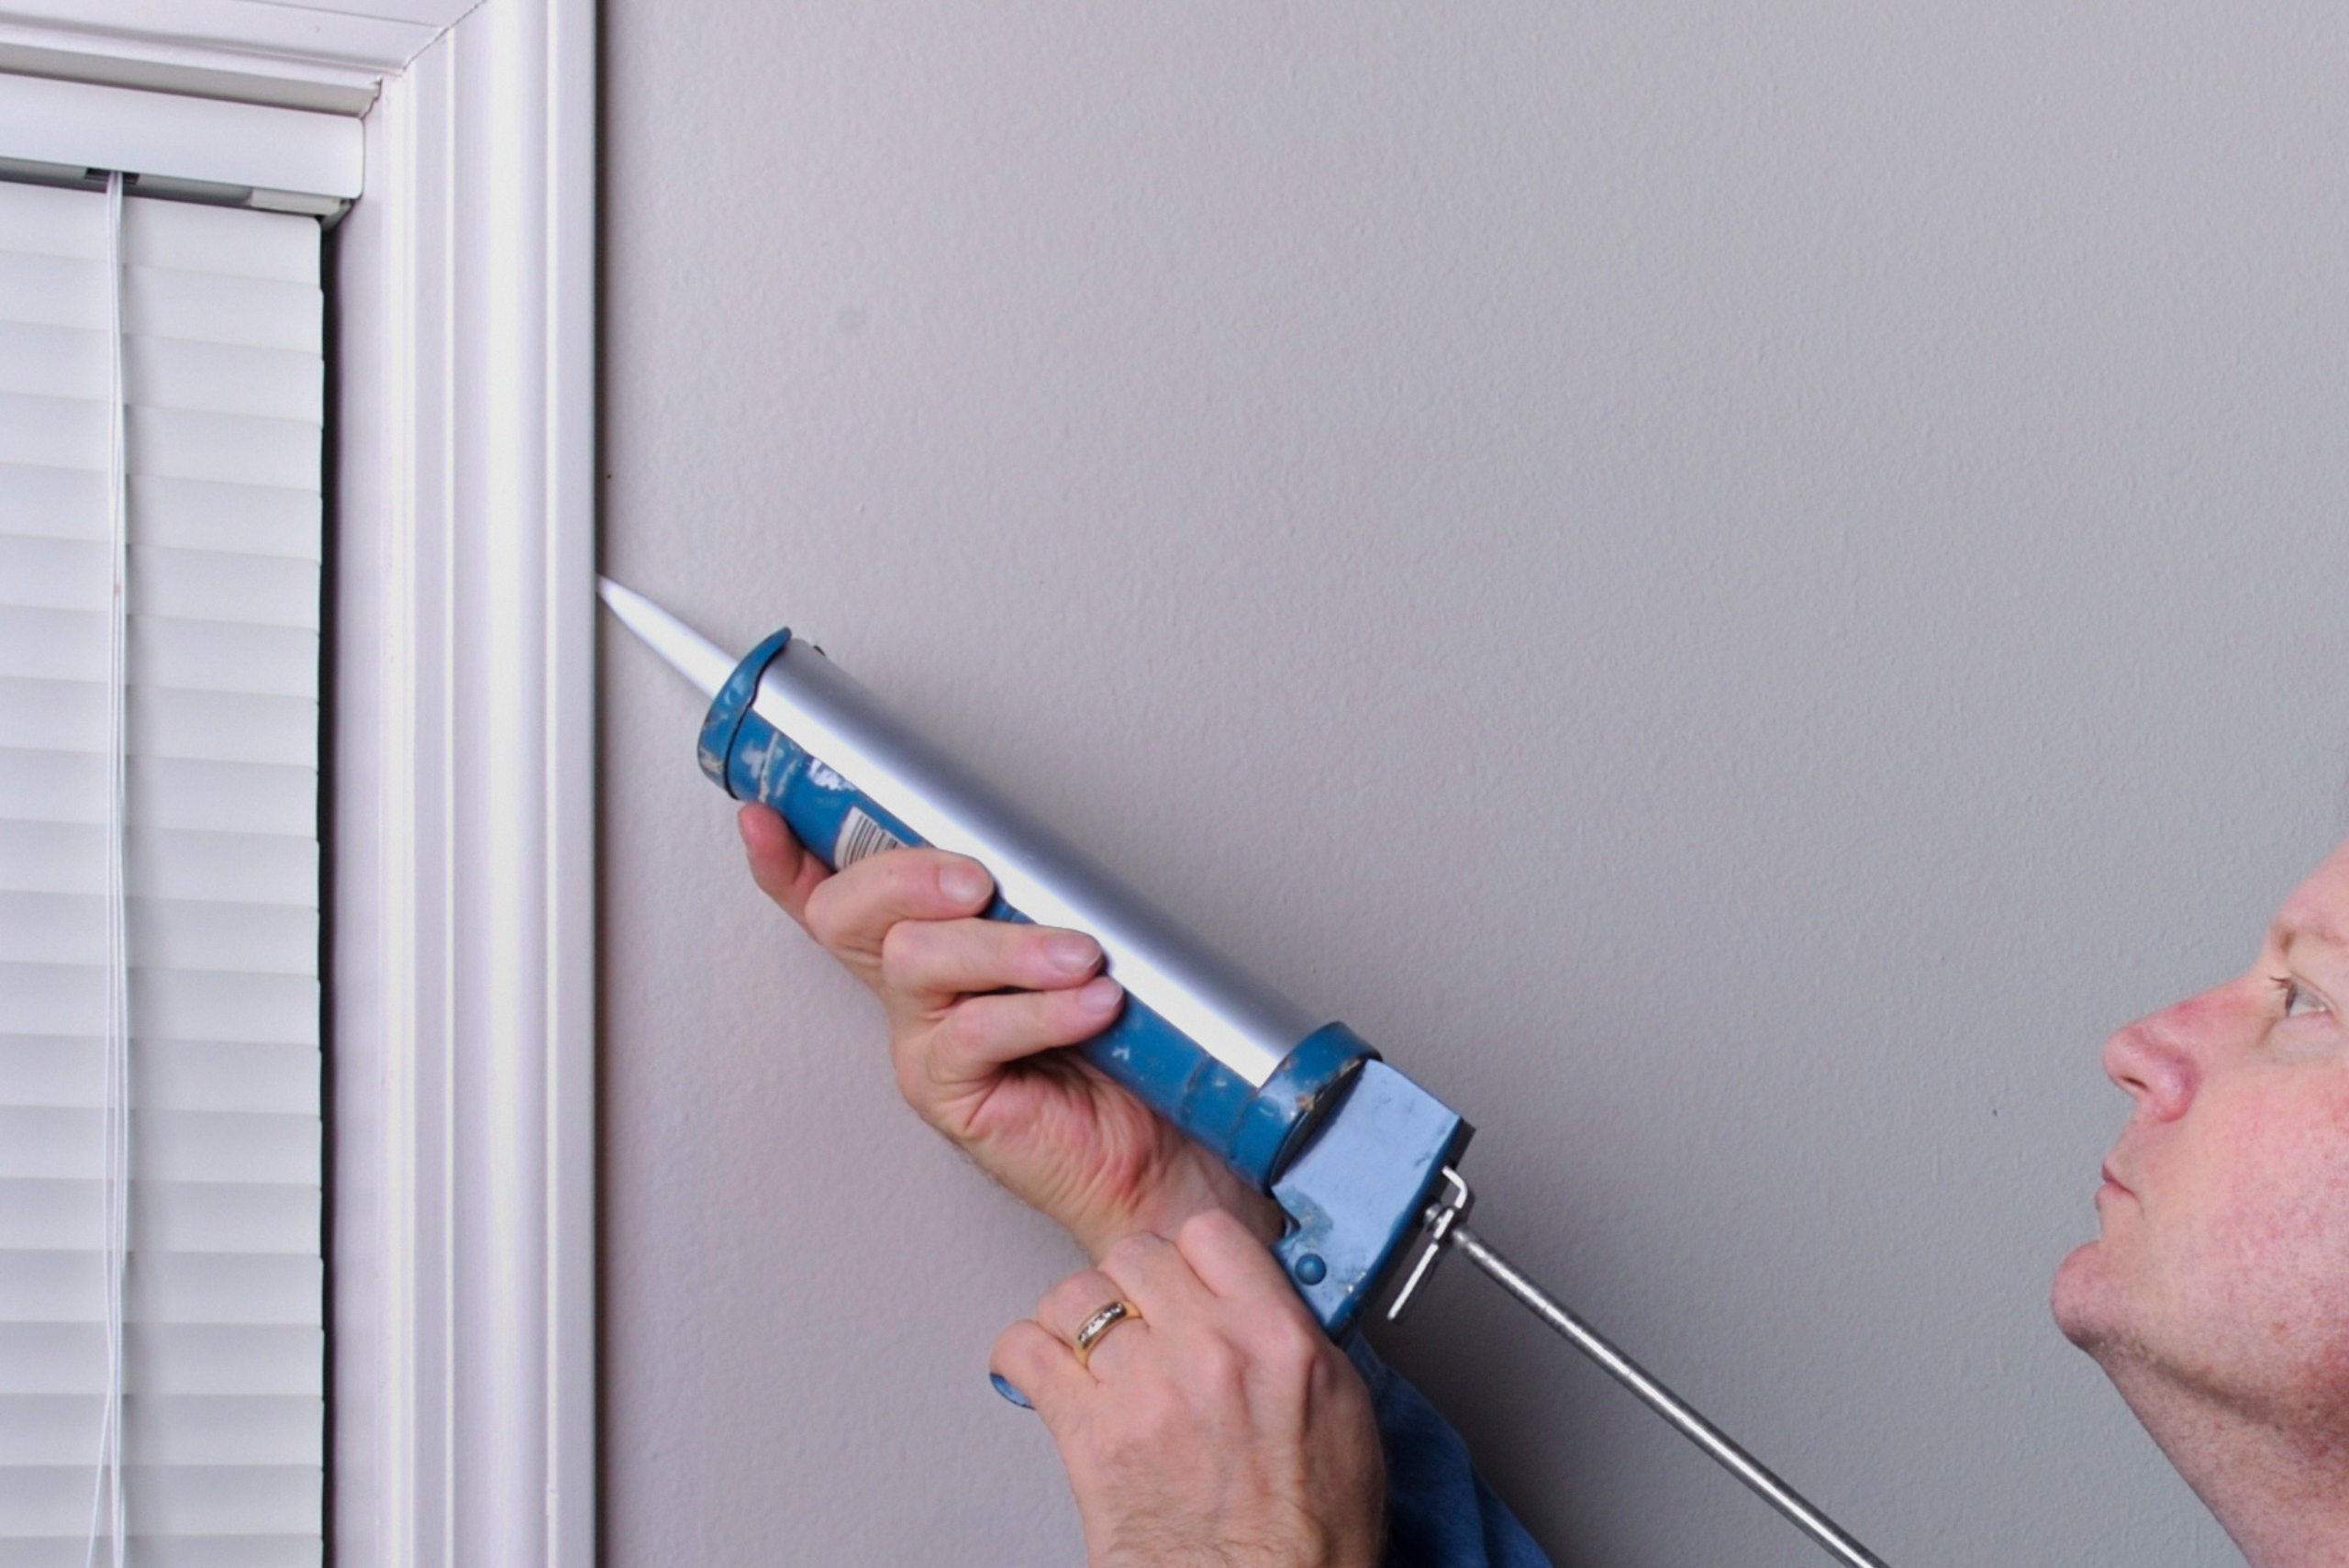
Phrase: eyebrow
(2291, 929)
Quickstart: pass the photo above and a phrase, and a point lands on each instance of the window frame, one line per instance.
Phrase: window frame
(460, 897)
(462, 910)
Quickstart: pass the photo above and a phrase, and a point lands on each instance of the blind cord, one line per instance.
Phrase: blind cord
(106, 1502)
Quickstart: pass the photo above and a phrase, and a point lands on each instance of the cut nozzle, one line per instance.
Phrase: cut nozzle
(692, 655)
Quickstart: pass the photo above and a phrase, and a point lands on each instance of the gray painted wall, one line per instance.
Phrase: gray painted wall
(1736, 585)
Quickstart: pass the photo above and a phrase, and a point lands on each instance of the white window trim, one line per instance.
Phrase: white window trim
(463, 907)
(463, 919)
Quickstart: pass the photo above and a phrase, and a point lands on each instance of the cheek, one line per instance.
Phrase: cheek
(2275, 1227)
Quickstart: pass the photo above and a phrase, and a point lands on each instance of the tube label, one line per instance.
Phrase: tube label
(861, 836)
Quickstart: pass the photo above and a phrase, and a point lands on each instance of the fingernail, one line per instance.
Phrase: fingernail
(1070, 953)
(961, 881)
(1098, 994)
(1005, 1388)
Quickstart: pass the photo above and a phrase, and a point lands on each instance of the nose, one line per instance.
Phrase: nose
(2159, 1061)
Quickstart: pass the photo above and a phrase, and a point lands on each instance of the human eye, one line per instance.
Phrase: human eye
(2298, 1001)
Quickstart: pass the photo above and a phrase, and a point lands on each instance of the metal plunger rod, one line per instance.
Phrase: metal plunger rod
(1667, 1404)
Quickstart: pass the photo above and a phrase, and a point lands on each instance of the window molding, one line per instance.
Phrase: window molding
(463, 805)
(462, 838)
(463, 1002)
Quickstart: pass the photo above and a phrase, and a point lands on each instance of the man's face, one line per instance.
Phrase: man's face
(2221, 1273)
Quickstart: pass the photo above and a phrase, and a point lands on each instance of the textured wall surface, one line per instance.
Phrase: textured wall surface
(1736, 585)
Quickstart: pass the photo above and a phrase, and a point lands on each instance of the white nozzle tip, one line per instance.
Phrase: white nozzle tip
(621, 599)
(691, 654)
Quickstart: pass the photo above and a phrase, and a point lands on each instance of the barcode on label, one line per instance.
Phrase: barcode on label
(861, 836)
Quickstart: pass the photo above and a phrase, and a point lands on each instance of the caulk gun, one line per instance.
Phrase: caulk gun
(1359, 1158)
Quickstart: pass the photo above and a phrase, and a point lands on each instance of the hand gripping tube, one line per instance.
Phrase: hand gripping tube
(1349, 1147)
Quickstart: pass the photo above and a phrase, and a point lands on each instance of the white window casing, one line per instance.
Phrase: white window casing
(460, 986)
(462, 913)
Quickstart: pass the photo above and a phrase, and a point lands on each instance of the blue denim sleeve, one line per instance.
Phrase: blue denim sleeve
(1440, 1513)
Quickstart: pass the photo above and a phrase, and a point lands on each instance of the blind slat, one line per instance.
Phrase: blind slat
(275, 247)
(186, 585)
(69, 929)
(202, 307)
(225, 868)
(185, 1500)
(168, 1146)
(163, 1358)
(168, 1287)
(166, 1428)
(226, 448)
(194, 725)
(69, 432)
(53, 290)
(180, 655)
(39, 501)
(170, 1074)
(165, 792)
(38, 220)
(214, 308)
(69, 999)
(52, 1214)
(162, 372)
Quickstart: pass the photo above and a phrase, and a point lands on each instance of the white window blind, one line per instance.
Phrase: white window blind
(223, 1340)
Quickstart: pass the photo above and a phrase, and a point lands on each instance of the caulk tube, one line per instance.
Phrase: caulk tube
(1349, 1147)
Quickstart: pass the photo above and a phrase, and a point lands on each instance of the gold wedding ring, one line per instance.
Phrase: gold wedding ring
(1089, 1332)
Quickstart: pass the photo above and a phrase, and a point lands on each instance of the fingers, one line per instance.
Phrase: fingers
(901, 921)
(1069, 1307)
(1064, 1308)
(1038, 1355)
(1150, 1275)
(984, 1033)
(1229, 1266)
(852, 913)
(781, 865)
(1229, 1260)
(976, 1010)
(857, 905)
(1210, 1431)
(951, 956)
(1040, 1367)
